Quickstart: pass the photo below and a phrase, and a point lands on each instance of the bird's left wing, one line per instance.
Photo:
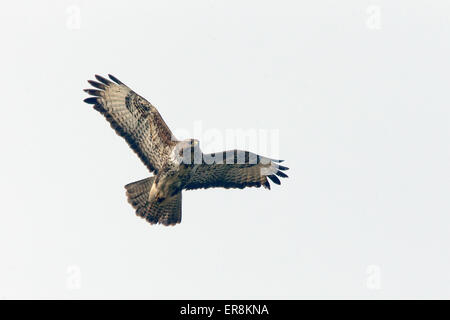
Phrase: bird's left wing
(133, 118)
(235, 169)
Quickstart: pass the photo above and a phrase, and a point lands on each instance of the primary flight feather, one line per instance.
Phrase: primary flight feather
(176, 165)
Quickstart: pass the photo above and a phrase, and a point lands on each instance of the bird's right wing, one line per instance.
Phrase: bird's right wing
(235, 169)
(133, 118)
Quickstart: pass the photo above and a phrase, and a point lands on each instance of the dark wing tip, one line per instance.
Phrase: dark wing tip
(93, 92)
(114, 79)
(91, 100)
(97, 85)
(282, 167)
(103, 80)
(266, 184)
(274, 179)
(99, 108)
(281, 174)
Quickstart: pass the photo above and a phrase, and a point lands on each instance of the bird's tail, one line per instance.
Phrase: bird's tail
(167, 212)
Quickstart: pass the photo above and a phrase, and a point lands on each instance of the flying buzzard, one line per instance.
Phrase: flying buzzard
(176, 165)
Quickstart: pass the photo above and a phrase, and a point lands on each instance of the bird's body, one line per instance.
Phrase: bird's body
(177, 165)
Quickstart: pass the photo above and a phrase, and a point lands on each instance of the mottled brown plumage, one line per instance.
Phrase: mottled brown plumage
(135, 119)
(176, 165)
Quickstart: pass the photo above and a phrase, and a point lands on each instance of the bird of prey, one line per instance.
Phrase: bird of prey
(176, 165)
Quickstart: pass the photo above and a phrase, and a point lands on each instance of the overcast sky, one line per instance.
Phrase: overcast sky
(354, 95)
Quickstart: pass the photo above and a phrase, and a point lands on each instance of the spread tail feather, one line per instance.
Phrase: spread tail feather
(167, 212)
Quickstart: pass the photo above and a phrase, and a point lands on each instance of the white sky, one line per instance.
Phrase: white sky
(357, 91)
